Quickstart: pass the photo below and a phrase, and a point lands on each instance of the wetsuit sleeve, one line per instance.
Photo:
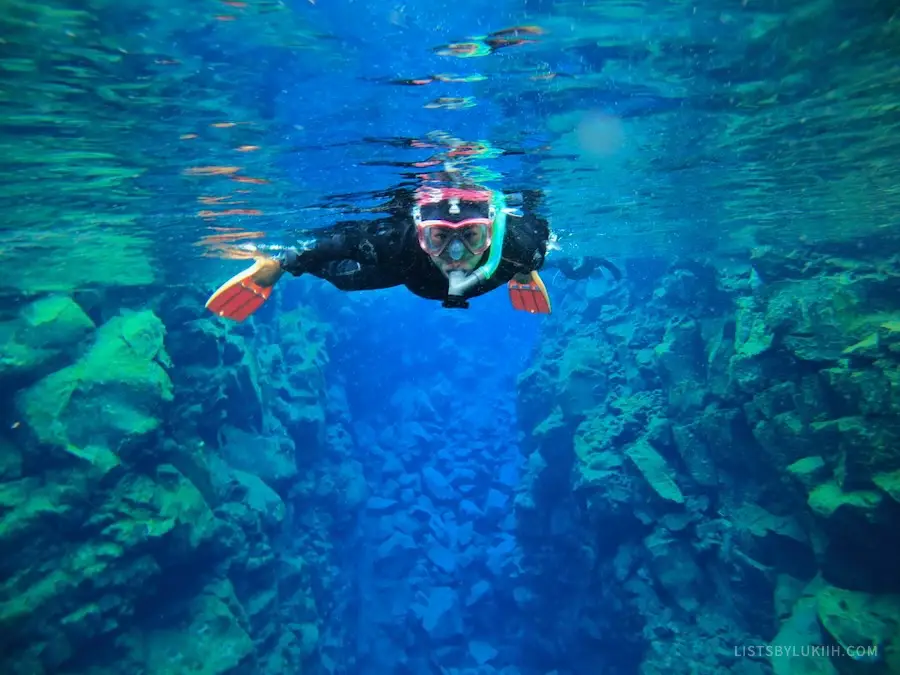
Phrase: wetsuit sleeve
(584, 267)
(369, 243)
(525, 244)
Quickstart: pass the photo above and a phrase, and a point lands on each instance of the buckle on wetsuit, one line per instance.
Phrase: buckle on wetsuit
(456, 302)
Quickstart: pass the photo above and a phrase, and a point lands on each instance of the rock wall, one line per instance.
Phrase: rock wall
(163, 504)
(707, 463)
(713, 464)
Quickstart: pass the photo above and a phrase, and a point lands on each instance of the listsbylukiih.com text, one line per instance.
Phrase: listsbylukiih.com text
(857, 653)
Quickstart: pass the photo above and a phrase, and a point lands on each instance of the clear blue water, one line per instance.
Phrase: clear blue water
(142, 143)
(657, 126)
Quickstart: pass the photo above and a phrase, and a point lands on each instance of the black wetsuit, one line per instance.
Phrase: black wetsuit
(384, 253)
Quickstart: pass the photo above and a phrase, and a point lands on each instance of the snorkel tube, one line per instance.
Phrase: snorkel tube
(460, 282)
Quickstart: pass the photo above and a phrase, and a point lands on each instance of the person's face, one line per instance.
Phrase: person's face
(455, 233)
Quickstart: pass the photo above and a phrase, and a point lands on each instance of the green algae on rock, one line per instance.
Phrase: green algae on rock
(112, 395)
(169, 558)
(655, 471)
(865, 626)
(771, 415)
(45, 333)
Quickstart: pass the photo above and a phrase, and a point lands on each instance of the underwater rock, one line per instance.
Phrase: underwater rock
(655, 471)
(500, 556)
(508, 476)
(441, 615)
(214, 641)
(380, 504)
(496, 504)
(76, 591)
(53, 322)
(437, 485)
(585, 367)
(259, 497)
(478, 591)
(680, 358)
(859, 551)
(442, 558)
(771, 433)
(810, 471)
(482, 652)
(752, 335)
(695, 454)
(169, 559)
(778, 542)
(396, 548)
(867, 627)
(673, 566)
(10, 461)
(801, 632)
(595, 459)
(889, 483)
(110, 397)
(45, 334)
(269, 457)
(858, 449)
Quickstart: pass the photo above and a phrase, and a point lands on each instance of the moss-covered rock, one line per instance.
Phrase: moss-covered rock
(889, 483)
(112, 395)
(800, 633)
(771, 450)
(210, 638)
(810, 471)
(859, 550)
(778, 542)
(656, 472)
(46, 333)
(869, 391)
(682, 360)
(753, 336)
(74, 592)
(272, 458)
(596, 460)
(858, 448)
(54, 321)
(129, 540)
(866, 626)
(585, 369)
(829, 501)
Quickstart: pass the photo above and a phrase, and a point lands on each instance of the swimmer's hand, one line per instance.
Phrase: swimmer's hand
(266, 272)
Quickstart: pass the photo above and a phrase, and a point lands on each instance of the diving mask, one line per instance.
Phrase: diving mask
(452, 221)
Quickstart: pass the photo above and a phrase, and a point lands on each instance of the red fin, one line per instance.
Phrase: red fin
(239, 297)
(529, 296)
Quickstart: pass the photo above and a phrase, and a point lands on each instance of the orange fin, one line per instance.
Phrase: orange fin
(529, 295)
(240, 296)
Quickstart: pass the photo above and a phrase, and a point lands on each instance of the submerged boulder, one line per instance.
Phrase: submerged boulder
(112, 395)
(441, 614)
(656, 472)
(212, 640)
(43, 335)
(866, 627)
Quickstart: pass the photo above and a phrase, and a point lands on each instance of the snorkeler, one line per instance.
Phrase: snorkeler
(449, 244)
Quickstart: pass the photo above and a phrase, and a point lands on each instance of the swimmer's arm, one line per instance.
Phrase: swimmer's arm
(344, 241)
